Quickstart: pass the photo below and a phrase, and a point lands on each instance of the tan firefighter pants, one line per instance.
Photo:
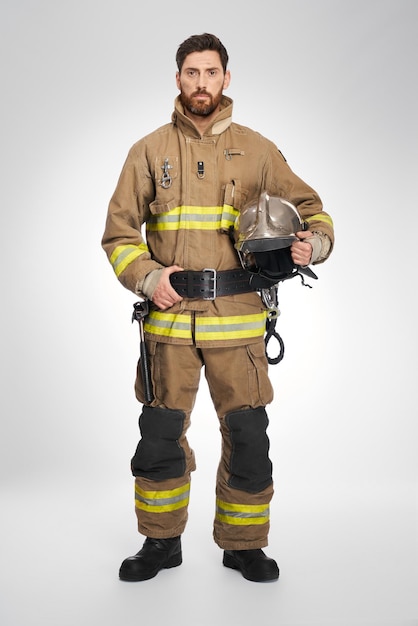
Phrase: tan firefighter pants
(240, 388)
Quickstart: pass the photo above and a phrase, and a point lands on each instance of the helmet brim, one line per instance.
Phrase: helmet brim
(265, 244)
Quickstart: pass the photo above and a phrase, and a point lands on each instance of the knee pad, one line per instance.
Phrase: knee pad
(250, 467)
(159, 455)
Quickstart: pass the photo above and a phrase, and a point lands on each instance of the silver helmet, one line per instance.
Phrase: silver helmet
(264, 232)
(269, 223)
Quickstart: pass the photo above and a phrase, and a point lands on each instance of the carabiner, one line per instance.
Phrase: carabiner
(166, 179)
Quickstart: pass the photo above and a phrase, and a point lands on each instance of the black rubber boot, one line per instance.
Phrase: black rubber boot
(155, 555)
(253, 564)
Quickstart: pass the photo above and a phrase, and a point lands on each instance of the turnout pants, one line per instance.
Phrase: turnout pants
(162, 464)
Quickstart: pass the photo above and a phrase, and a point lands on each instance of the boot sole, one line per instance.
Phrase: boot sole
(173, 561)
(229, 561)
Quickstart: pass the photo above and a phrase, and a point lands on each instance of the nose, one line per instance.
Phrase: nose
(201, 82)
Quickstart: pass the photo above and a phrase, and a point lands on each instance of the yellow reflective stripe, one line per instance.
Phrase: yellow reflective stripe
(162, 501)
(241, 508)
(229, 215)
(242, 514)
(321, 217)
(169, 324)
(206, 328)
(231, 327)
(122, 256)
(187, 217)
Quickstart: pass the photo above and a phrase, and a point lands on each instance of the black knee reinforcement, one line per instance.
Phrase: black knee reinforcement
(159, 455)
(250, 466)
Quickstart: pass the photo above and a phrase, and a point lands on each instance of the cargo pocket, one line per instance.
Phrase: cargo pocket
(259, 385)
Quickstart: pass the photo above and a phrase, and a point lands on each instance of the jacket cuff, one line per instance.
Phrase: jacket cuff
(147, 285)
(321, 246)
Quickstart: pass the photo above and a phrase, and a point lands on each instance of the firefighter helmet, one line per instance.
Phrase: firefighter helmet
(264, 232)
(268, 223)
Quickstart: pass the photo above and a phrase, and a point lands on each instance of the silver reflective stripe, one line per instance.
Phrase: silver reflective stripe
(211, 328)
(160, 323)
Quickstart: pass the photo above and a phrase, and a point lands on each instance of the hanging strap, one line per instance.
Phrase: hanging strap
(270, 299)
(271, 332)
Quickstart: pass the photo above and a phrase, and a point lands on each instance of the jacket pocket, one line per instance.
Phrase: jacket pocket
(166, 169)
(166, 181)
(234, 197)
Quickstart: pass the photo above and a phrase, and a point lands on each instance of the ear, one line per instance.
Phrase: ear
(178, 81)
(227, 79)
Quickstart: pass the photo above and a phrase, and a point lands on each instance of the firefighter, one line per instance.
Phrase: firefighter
(168, 237)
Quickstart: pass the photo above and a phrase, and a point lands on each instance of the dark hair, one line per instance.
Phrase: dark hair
(199, 43)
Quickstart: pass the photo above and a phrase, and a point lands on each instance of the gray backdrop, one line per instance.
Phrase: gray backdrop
(333, 84)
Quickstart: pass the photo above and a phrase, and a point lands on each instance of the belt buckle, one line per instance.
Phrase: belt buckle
(213, 278)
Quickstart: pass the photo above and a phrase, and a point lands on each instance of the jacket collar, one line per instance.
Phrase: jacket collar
(219, 124)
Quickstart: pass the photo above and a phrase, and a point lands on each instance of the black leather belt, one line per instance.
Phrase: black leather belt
(208, 284)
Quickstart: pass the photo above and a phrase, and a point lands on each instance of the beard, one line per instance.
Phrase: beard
(200, 108)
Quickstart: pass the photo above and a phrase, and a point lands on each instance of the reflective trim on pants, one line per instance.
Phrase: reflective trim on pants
(162, 501)
(238, 381)
(242, 514)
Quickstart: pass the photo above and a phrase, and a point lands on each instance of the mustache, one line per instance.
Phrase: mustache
(199, 92)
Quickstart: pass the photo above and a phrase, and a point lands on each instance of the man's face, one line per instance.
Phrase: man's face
(201, 82)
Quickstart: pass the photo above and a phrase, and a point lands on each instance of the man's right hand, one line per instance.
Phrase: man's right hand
(164, 295)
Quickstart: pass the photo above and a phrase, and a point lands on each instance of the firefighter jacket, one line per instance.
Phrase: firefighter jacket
(175, 202)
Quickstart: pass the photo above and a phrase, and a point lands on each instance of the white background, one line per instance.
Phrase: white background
(333, 84)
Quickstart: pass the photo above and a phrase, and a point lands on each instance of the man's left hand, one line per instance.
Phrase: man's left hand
(301, 250)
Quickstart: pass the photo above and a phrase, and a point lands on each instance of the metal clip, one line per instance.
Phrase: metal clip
(213, 278)
(166, 179)
(269, 297)
(141, 310)
(200, 169)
